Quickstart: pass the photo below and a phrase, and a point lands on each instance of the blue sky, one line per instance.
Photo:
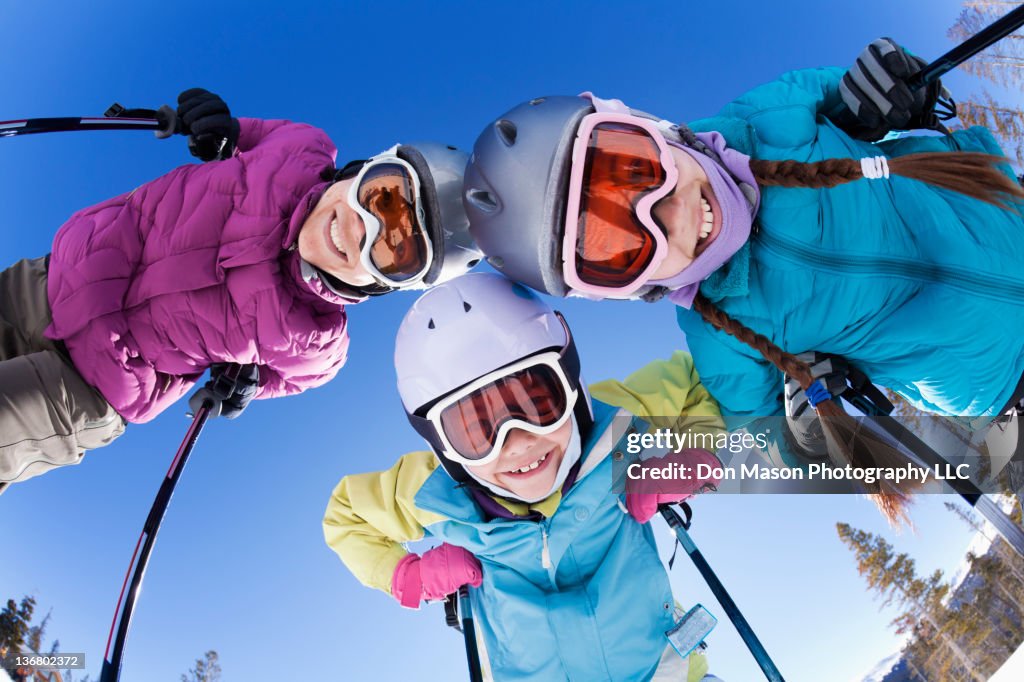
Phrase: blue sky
(240, 565)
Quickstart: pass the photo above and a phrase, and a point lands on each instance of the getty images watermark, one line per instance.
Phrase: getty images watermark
(760, 458)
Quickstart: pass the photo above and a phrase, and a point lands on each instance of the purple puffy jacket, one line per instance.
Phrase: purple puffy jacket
(199, 266)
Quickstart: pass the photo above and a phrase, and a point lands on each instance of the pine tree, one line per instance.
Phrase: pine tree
(206, 669)
(14, 623)
(1013, 562)
(894, 578)
(1003, 64)
(1005, 122)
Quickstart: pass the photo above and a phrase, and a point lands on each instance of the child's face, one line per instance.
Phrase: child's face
(330, 238)
(523, 449)
(684, 214)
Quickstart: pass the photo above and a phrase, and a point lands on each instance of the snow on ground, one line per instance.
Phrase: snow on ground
(883, 668)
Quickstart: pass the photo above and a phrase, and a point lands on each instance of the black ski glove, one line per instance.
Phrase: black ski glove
(206, 119)
(875, 90)
(231, 388)
(804, 426)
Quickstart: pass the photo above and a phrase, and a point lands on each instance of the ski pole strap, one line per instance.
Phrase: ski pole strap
(451, 611)
(757, 649)
(864, 395)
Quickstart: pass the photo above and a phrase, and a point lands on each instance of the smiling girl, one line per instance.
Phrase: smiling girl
(517, 488)
(777, 230)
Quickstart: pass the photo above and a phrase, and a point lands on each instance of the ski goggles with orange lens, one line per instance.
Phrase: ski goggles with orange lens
(621, 167)
(386, 194)
(470, 425)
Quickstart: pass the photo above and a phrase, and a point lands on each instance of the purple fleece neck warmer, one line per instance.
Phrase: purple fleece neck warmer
(738, 210)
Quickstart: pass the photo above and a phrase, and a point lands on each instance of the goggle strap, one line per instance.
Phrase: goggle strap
(570, 356)
(427, 430)
(349, 170)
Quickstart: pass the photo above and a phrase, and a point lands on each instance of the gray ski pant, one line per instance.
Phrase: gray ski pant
(49, 415)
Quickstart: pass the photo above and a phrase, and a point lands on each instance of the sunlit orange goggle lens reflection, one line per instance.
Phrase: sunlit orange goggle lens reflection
(622, 165)
(400, 248)
(534, 395)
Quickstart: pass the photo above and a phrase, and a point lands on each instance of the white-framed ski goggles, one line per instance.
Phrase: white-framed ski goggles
(536, 394)
(386, 194)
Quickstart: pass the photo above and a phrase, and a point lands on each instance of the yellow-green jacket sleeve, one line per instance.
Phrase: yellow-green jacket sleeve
(370, 515)
(667, 393)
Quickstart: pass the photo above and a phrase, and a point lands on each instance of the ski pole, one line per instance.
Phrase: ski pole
(992, 33)
(457, 608)
(680, 527)
(1004, 525)
(163, 122)
(111, 670)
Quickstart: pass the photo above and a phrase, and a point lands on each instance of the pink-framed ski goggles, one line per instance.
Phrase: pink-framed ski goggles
(621, 167)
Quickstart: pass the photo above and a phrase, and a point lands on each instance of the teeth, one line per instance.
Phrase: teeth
(531, 467)
(336, 236)
(708, 218)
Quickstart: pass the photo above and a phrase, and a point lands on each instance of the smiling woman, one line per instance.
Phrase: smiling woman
(332, 236)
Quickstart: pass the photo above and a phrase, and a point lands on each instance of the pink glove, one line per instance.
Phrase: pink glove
(644, 495)
(439, 572)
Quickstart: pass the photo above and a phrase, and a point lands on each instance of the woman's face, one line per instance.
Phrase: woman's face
(332, 234)
(691, 216)
(528, 463)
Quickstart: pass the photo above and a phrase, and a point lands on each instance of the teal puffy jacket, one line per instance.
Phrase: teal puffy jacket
(920, 287)
(579, 596)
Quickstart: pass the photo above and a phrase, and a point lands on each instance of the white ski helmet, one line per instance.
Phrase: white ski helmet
(471, 326)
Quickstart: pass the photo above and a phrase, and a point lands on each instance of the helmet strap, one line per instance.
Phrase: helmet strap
(349, 170)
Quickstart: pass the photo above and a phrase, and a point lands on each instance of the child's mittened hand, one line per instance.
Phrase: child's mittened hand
(643, 497)
(439, 572)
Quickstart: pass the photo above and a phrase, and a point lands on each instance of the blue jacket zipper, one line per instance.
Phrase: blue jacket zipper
(990, 286)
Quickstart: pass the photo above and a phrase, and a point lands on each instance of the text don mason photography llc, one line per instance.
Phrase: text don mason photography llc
(656, 468)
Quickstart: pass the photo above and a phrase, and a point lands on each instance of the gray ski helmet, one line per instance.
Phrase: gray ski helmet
(516, 186)
(440, 169)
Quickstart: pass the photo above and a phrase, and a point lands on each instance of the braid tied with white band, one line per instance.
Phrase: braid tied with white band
(874, 167)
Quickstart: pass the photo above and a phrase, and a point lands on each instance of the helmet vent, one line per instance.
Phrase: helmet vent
(430, 325)
(466, 306)
(482, 199)
(536, 101)
(506, 131)
(472, 264)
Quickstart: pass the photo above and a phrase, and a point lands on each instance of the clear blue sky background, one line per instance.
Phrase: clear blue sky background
(241, 565)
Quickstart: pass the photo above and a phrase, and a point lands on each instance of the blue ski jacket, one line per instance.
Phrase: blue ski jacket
(575, 593)
(920, 287)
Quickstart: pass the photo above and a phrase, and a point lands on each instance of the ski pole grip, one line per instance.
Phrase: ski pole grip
(672, 517)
